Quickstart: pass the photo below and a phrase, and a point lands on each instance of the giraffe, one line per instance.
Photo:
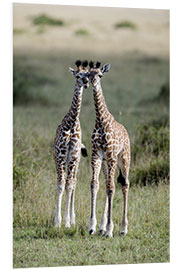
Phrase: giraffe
(67, 147)
(110, 147)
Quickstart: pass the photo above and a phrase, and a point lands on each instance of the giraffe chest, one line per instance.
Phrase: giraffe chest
(107, 138)
(106, 141)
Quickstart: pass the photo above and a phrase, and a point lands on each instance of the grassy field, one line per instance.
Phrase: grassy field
(135, 95)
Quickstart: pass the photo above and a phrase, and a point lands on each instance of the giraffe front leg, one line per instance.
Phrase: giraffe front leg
(72, 212)
(110, 189)
(70, 188)
(60, 190)
(102, 229)
(96, 162)
(67, 212)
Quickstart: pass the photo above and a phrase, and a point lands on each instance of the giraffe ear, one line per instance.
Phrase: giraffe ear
(72, 71)
(105, 68)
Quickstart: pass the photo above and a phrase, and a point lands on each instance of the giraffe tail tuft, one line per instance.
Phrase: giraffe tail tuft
(121, 179)
(84, 150)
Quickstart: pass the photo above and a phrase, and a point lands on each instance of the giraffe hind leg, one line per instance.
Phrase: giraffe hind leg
(124, 164)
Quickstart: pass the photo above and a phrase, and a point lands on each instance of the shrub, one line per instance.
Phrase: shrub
(150, 153)
(152, 172)
(82, 32)
(125, 24)
(153, 138)
(44, 19)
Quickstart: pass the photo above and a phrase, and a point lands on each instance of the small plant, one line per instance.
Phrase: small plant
(125, 24)
(82, 32)
(44, 19)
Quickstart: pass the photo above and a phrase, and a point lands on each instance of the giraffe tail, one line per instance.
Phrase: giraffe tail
(121, 179)
(84, 150)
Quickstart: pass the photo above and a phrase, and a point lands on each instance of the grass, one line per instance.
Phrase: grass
(125, 24)
(146, 242)
(128, 85)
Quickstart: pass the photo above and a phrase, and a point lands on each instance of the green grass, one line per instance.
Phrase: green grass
(147, 240)
(127, 87)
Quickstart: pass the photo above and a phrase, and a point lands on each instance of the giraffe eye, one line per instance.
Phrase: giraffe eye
(100, 76)
(78, 77)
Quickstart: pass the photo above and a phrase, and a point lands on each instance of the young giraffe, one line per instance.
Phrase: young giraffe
(67, 147)
(110, 145)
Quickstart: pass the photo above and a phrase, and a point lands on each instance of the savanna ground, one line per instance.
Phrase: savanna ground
(47, 40)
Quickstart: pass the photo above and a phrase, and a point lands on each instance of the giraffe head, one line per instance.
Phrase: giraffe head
(96, 72)
(81, 74)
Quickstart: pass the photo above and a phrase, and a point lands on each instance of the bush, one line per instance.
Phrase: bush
(43, 19)
(153, 139)
(152, 172)
(125, 24)
(150, 153)
(82, 32)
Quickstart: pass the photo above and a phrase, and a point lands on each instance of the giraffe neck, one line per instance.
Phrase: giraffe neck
(75, 108)
(102, 112)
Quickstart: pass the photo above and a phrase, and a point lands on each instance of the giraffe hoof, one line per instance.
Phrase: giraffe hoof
(102, 232)
(123, 233)
(91, 232)
(109, 236)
